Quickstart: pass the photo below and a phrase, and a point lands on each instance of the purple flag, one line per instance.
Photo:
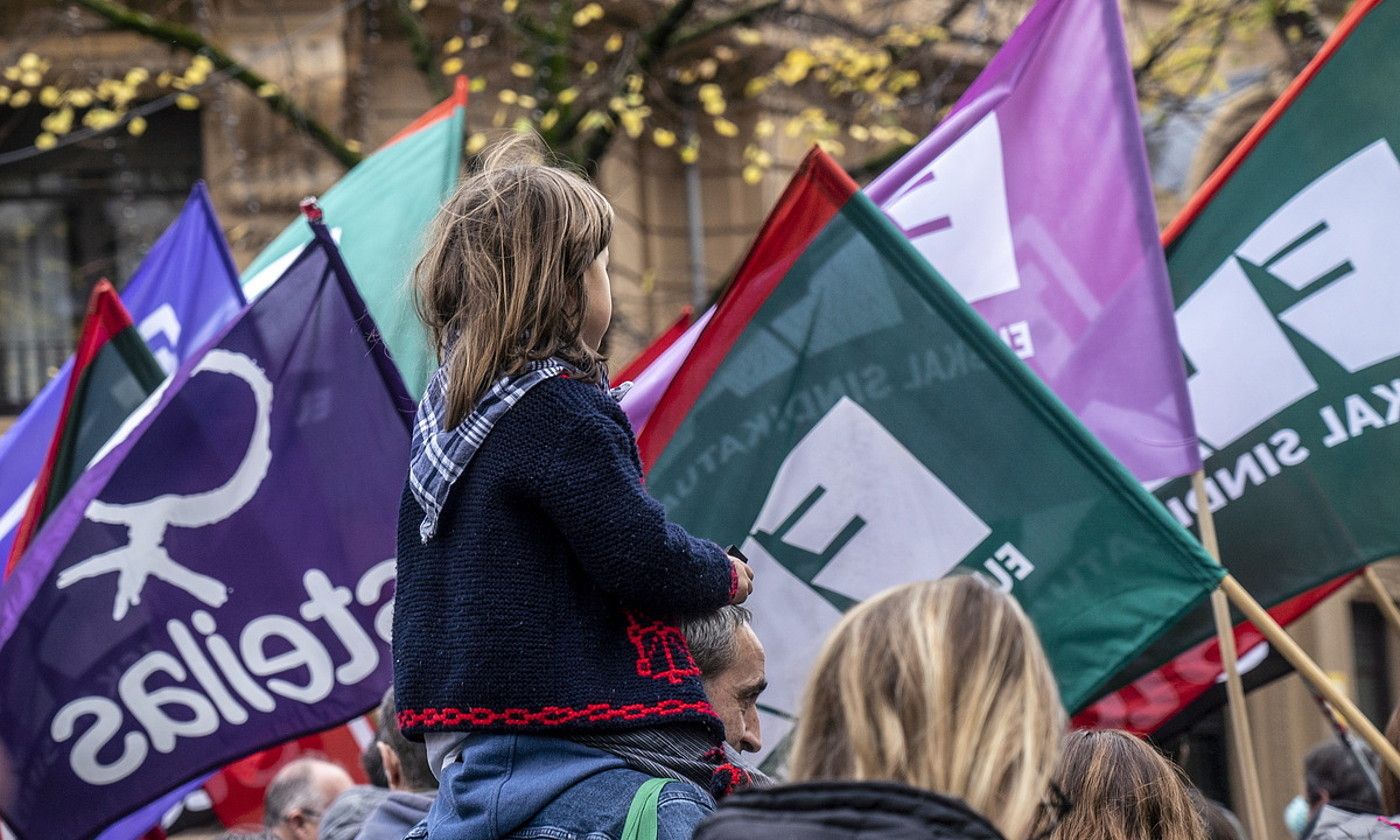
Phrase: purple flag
(185, 290)
(221, 580)
(1033, 200)
(639, 402)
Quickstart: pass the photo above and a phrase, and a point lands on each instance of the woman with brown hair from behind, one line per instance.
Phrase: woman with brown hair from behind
(931, 712)
(1120, 788)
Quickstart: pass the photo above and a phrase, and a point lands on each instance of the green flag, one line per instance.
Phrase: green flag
(379, 213)
(1287, 286)
(113, 373)
(854, 425)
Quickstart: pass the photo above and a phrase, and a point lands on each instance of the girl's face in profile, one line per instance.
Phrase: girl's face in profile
(598, 293)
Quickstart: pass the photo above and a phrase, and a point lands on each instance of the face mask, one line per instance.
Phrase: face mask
(1296, 815)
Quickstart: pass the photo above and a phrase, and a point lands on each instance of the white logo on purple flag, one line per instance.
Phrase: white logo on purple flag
(980, 261)
(144, 556)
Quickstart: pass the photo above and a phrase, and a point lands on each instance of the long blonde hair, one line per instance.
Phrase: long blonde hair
(1120, 788)
(502, 281)
(939, 685)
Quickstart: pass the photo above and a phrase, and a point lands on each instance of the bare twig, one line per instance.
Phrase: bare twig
(173, 34)
(422, 48)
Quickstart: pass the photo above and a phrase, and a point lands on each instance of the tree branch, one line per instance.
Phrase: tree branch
(173, 34)
(654, 46)
(421, 47)
(739, 18)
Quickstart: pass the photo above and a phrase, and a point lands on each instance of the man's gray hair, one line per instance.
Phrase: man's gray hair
(293, 787)
(413, 755)
(714, 638)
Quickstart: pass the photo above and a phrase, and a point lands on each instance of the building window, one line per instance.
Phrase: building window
(70, 217)
(1372, 657)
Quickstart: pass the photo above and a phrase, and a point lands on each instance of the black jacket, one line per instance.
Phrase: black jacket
(831, 810)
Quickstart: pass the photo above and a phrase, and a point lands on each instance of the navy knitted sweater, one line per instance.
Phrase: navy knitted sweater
(547, 601)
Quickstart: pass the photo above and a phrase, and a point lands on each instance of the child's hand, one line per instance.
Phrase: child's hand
(744, 575)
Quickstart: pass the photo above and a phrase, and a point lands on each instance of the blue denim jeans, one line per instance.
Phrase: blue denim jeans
(508, 787)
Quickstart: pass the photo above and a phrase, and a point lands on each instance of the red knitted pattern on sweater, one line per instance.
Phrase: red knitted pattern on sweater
(662, 651)
(549, 715)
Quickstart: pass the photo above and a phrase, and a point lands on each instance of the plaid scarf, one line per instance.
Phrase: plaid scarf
(439, 455)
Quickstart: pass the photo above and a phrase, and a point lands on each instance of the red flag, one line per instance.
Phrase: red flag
(1154, 699)
(236, 792)
(813, 197)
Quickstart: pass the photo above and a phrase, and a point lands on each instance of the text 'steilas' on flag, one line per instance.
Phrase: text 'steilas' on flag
(113, 373)
(1285, 274)
(222, 579)
(854, 425)
(1033, 199)
(379, 213)
(183, 293)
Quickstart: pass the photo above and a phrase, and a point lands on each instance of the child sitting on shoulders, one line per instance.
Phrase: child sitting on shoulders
(539, 585)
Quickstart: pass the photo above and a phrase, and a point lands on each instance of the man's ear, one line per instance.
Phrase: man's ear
(393, 770)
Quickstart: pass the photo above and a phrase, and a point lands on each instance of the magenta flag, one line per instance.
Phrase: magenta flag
(1032, 198)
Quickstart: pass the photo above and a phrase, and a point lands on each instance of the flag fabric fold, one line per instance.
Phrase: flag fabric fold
(113, 372)
(856, 435)
(1033, 200)
(223, 574)
(185, 290)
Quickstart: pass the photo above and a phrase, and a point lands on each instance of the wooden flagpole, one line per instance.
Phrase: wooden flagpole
(1383, 598)
(1229, 658)
(1309, 670)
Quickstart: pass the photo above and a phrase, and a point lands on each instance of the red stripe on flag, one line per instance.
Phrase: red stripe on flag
(656, 348)
(106, 316)
(1155, 698)
(1232, 162)
(817, 192)
(437, 113)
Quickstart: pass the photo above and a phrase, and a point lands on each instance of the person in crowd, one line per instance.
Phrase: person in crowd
(412, 785)
(373, 765)
(1118, 787)
(1335, 789)
(1220, 822)
(298, 796)
(931, 712)
(539, 586)
(347, 814)
(731, 662)
(1384, 823)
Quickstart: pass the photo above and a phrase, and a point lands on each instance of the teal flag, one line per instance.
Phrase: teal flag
(1287, 285)
(853, 424)
(379, 213)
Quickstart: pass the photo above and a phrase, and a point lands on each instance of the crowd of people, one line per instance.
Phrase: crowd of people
(570, 663)
(931, 712)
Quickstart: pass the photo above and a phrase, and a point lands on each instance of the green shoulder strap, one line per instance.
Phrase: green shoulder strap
(641, 817)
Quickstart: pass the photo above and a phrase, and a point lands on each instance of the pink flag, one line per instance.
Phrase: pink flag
(1033, 200)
